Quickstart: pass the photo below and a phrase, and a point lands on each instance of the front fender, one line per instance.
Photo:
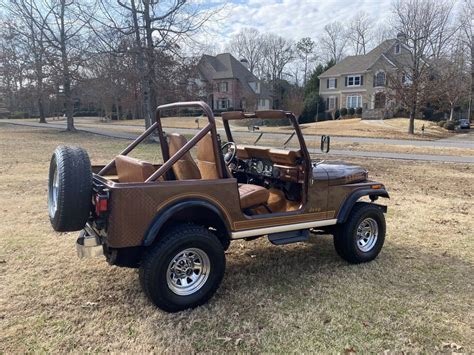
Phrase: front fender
(346, 208)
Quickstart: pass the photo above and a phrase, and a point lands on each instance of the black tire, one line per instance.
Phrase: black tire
(346, 241)
(70, 209)
(155, 264)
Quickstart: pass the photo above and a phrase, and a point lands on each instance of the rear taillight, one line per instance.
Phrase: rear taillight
(101, 204)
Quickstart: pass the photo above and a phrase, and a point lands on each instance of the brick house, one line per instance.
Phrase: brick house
(361, 80)
(226, 83)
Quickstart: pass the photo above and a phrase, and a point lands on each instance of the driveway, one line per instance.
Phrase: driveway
(462, 141)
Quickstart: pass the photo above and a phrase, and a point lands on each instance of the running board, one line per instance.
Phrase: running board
(289, 237)
(279, 229)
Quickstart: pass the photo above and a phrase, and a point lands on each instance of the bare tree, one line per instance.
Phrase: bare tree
(452, 81)
(466, 36)
(156, 27)
(62, 24)
(247, 44)
(29, 26)
(334, 41)
(420, 23)
(305, 49)
(360, 32)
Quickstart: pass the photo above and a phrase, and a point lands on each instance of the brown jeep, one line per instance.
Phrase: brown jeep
(175, 220)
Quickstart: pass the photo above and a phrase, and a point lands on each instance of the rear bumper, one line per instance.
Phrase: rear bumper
(88, 244)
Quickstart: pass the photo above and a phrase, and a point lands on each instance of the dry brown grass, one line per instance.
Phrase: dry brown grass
(393, 128)
(416, 296)
(408, 149)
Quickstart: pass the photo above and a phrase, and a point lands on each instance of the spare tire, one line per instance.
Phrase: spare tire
(69, 189)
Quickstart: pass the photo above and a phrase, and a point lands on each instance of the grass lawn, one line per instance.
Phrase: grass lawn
(416, 297)
(395, 128)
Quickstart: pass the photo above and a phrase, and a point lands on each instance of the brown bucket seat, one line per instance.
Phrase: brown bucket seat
(250, 195)
(132, 170)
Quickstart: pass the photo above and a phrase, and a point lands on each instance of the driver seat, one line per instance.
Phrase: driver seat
(250, 195)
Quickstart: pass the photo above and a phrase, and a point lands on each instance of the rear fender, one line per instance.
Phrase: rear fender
(189, 211)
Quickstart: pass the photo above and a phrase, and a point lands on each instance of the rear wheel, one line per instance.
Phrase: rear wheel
(69, 189)
(183, 269)
(361, 238)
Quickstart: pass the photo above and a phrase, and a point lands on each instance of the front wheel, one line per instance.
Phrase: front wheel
(361, 238)
(184, 269)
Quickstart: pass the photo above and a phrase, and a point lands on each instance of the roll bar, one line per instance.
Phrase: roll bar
(169, 161)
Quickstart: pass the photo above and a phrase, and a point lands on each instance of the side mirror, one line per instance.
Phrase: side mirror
(325, 144)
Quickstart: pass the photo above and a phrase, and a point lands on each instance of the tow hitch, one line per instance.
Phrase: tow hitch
(88, 244)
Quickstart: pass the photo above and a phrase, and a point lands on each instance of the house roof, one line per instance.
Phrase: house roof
(225, 66)
(359, 63)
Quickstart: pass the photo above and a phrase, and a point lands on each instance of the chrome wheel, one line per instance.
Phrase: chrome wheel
(53, 193)
(188, 271)
(367, 234)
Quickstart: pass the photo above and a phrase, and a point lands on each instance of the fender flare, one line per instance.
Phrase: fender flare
(165, 215)
(347, 205)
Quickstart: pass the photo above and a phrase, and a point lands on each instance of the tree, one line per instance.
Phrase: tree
(247, 44)
(419, 22)
(29, 27)
(156, 27)
(62, 26)
(452, 81)
(278, 53)
(312, 86)
(360, 33)
(466, 35)
(334, 41)
(305, 48)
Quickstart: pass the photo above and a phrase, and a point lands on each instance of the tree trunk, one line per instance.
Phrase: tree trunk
(42, 118)
(451, 113)
(66, 74)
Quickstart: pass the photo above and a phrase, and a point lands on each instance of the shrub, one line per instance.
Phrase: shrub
(276, 122)
(343, 112)
(351, 111)
(449, 125)
(337, 114)
(359, 110)
(442, 123)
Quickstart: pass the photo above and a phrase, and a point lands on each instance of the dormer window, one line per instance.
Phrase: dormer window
(397, 48)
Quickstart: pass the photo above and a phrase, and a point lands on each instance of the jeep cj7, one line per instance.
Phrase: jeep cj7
(175, 220)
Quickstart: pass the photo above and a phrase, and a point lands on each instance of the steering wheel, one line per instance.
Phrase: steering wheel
(229, 150)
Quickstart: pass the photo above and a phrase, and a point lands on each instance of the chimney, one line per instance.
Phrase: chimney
(245, 62)
(401, 37)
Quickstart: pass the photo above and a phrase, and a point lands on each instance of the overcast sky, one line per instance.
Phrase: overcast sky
(292, 19)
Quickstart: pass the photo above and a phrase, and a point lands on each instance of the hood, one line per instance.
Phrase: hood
(339, 173)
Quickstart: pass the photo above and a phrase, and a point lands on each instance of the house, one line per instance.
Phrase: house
(361, 80)
(226, 84)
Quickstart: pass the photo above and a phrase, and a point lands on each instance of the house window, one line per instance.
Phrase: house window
(354, 101)
(380, 79)
(222, 104)
(222, 87)
(332, 83)
(354, 80)
(331, 103)
(406, 79)
(397, 48)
